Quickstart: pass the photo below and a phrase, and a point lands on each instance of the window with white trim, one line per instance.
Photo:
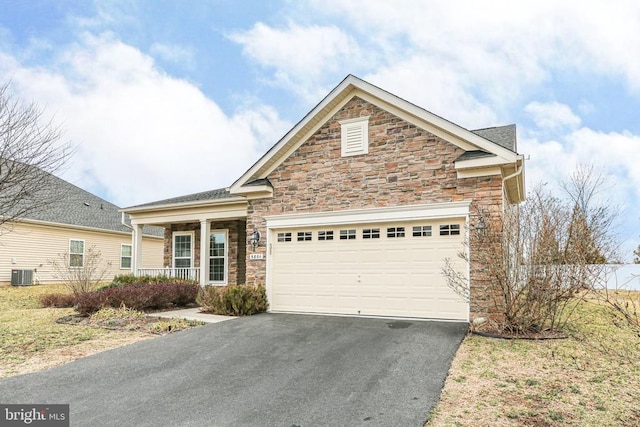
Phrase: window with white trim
(284, 237)
(125, 256)
(371, 233)
(347, 234)
(395, 232)
(218, 256)
(450, 230)
(422, 231)
(354, 136)
(76, 253)
(325, 235)
(304, 236)
(182, 250)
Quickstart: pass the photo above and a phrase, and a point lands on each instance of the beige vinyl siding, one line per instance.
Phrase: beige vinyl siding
(32, 246)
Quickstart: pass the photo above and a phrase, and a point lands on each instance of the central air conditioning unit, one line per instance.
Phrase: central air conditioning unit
(21, 277)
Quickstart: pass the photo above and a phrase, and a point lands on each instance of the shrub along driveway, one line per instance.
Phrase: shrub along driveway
(269, 369)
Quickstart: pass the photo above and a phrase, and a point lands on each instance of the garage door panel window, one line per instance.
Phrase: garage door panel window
(284, 237)
(304, 236)
(450, 230)
(422, 231)
(347, 234)
(395, 232)
(325, 235)
(371, 233)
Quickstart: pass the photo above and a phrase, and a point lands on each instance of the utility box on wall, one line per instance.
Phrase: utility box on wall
(21, 277)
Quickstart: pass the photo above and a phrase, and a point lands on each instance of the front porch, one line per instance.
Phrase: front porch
(218, 259)
(205, 237)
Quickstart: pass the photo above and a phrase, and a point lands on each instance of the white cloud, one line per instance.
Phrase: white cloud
(485, 59)
(300, 56)
(174, 53)
(142, 135)
(552, 115)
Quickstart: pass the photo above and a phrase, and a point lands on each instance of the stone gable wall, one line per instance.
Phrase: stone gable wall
(405, 165)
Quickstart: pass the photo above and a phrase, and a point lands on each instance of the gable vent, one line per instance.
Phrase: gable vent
(355, 136)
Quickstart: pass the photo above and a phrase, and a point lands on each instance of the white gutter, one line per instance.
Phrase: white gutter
(516, 173)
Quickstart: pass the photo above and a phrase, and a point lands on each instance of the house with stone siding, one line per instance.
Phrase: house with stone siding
(352, 212)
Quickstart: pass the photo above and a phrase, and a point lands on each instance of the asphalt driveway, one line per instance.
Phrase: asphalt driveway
(264, 370)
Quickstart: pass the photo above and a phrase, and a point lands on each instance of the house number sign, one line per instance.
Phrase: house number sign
(256, 256)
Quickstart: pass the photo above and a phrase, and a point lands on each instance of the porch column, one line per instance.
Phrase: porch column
(136, 252)
(204, 252)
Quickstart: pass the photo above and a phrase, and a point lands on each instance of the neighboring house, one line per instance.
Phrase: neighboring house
(352, 212)
(76, 221)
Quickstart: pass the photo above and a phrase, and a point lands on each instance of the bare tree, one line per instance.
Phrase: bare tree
(30, 150)
(594, 216)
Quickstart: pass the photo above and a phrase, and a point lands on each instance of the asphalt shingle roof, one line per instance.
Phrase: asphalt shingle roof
(74, 206)
(475, 154)
(504, 136)
(219, 193)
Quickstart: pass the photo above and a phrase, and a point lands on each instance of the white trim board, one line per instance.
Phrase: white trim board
(372, 215)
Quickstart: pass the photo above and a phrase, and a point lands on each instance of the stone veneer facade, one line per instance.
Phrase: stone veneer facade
(405, 166)
(236, 251)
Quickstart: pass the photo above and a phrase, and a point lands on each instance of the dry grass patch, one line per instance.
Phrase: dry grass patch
(32, 340)
(590, 379)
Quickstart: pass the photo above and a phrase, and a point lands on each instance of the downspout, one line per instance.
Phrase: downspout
(122, 221)
(516, 173)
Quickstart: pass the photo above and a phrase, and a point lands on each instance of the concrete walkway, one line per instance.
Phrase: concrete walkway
(191, 314)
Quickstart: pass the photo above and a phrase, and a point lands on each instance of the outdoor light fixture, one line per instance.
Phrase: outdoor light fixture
(254, 239)
(480, 225)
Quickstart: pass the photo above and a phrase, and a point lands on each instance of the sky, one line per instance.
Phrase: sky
(166, 98)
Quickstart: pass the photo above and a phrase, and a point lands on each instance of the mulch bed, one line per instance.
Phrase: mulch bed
(491, 330)
(542, 335)
(117, 324)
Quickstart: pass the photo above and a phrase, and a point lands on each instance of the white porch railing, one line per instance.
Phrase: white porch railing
(192, 273)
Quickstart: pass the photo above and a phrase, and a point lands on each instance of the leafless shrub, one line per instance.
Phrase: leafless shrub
(84, 278)
(538, 258)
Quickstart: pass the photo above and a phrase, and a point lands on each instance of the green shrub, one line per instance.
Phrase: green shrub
(57, 300)
(236, 300)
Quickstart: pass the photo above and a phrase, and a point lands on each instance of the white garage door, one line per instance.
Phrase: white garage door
(391, 269)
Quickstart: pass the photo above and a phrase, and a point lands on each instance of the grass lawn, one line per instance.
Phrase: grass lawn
(589, 379)
(31, 340)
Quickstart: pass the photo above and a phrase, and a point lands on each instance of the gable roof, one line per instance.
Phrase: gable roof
(71, 205)
(498, 141)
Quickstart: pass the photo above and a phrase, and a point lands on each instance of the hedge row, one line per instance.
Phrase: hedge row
(138, 296)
